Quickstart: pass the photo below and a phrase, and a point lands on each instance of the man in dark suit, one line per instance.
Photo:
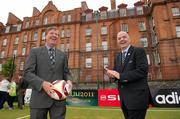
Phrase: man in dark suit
(130, 70)
(45, 65)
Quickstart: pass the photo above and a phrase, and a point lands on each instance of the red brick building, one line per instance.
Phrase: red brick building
(89, 37)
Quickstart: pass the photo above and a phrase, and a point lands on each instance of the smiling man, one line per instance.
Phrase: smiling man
(130, 70)
(45, 65)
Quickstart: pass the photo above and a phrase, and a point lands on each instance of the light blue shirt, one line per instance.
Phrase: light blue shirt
(126, 50)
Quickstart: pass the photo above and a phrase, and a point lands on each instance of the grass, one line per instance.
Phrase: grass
(95, 113)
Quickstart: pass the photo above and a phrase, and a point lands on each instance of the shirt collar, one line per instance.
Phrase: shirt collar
(49, 47)
(126, 50)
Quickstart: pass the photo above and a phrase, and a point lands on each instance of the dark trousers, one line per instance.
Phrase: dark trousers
(4, 96)
(55, 112)
(133, 114)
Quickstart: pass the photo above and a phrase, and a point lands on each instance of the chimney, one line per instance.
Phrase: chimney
(113, 4)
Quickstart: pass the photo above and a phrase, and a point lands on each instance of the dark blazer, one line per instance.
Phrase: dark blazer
(133, 86)
(38, 68)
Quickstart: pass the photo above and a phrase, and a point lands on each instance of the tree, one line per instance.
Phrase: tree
(9, 68)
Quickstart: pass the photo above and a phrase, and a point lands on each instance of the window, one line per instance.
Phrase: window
(15, 52)
(45, 21)
(2, 54)
(62, 33)
(88, 62)
(88, 16)
(63, 19)
(43, 35)
(62, 47)
(178, 31)
(88, 47)
(103, 30)
(105, 61)
(139, 10)
(0, 67)
(23, 51)
(104, 45)
(4, 42)
(88, 32)
(69, 18)
(142, 26)
(112, 13)
(148, 59)
(124, 27)
(27, 25)
(35, 35)
(36, 22)
(175, 11)
(67, 46)
(68, 33)
(88, 78)
(16, 40)
(18, 27)
(103, 15)
(144, 42)
(122, 12)
(7, 29)
(21, 67)
(25, 38)
(156, 57)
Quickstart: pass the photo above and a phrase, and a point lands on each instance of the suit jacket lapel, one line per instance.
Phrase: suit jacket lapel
(128, 55)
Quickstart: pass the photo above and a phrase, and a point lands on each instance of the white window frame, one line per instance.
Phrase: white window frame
(43, 35)
(63, 19)
(178, 31)
(103, 15)
(142, 26)
(27, 24)
(144, 42)
(175, 11)
(105, 61)
(7, 29)
(69, 18)
(123, 12)
(62, 33)
(104, 45)
(68, 33)
(0, 67)
(35, 36)
(23, 51)
(25, 38)
(104, 30)
(16, 40)
(4, 42)
(88, 47)
(45, 21)
(2, 54)
(15, 52)
(21, 67)
(62, 47)
(124, 27)
(139, 10)
(88, 31)
(89, 17)
(88, 62)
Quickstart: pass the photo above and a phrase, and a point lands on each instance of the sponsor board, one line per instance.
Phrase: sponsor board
(167, 98)
(108, 97)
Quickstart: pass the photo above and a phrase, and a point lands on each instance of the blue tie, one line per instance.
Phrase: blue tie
(123, 56)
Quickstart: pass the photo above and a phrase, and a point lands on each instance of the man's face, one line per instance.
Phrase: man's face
(52, 37)
(123, 40)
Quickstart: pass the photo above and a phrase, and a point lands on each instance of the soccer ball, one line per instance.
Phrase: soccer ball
(61, 89)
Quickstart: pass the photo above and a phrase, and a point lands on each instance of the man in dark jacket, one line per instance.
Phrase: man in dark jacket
(130, 70)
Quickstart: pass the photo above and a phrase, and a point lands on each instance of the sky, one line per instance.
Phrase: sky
(24, 8)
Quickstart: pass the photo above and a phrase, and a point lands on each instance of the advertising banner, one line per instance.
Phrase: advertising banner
(108, 97)
(82, 98)
(166, 97)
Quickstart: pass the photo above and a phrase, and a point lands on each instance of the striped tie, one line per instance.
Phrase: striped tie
(123, 56)
(52, 55)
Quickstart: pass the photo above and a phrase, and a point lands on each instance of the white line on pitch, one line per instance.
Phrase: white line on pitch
(23, 117)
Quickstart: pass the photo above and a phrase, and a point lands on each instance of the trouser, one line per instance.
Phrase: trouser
(133, 114)
(55, 112)
(3, 98)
